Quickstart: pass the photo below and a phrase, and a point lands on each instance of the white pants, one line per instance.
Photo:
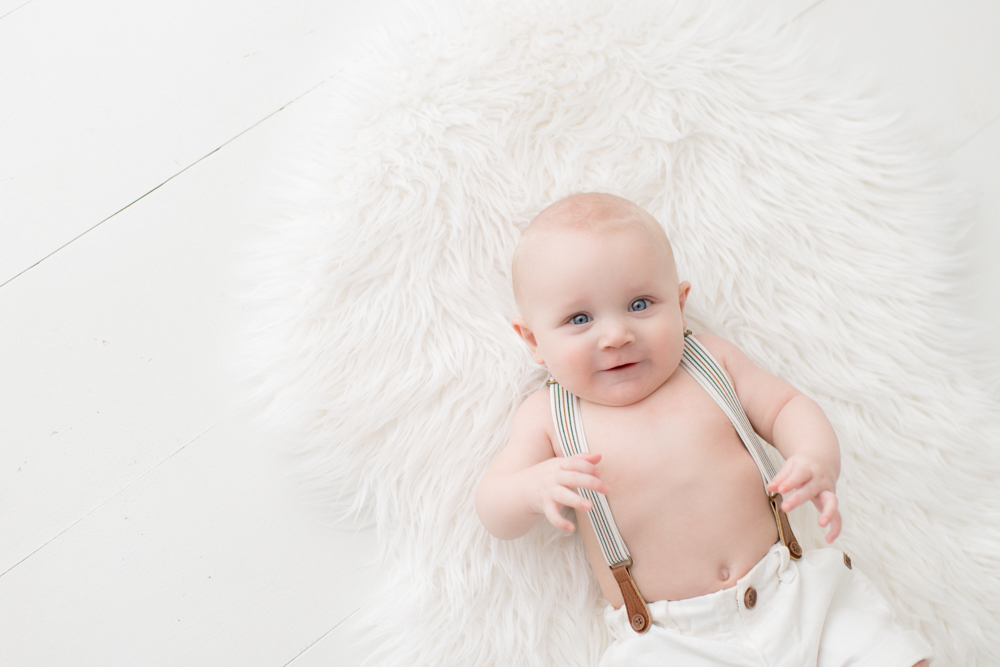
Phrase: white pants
(815, 611)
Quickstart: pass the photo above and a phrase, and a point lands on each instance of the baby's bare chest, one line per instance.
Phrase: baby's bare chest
(676, 436)
(684, 491)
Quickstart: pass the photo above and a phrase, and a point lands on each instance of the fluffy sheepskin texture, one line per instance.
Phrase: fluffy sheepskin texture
(815, 235)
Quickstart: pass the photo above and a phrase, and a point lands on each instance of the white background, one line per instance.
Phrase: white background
(143, 520)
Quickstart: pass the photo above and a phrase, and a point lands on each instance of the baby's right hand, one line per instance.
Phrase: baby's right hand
(551, 485)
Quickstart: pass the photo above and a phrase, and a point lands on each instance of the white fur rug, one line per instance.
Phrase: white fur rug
(815, 237)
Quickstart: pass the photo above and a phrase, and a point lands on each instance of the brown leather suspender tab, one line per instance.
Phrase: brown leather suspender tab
(638, 612)
(785, 533)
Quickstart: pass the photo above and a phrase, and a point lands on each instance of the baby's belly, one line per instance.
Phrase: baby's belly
(690, 532)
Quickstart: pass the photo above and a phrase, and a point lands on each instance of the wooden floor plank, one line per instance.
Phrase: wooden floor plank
(343, 645)
(117, 351)
(102, 102)
(9, 6)
(209, 560)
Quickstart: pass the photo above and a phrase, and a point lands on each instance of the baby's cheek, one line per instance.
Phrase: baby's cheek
(581, 359)
(578, 361)
(568, 363)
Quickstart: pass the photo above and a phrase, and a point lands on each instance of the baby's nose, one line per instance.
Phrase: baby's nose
(616, 334)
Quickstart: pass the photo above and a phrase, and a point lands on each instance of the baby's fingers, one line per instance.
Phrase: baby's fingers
(808, 491)
(780, 476)
(579, 480)
(551, 510)
(826, 503)
(790, 477)
(568, 498)
(834, 527)
(581, 463)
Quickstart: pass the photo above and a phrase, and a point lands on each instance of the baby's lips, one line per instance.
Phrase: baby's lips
(621, 365)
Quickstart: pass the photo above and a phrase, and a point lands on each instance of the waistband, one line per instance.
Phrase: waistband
(700, 615)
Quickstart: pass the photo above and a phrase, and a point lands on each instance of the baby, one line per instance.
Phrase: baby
(687, 549)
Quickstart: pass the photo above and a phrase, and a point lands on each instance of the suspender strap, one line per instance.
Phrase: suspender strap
(566, 417)
(703, 367)
(569, 427)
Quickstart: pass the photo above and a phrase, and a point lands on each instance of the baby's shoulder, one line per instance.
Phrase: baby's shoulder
(533, 421)
(535, 411)
(537, 401)
(717, 346)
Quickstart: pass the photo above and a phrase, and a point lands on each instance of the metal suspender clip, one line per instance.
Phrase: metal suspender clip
(638, 612)
(785, 533)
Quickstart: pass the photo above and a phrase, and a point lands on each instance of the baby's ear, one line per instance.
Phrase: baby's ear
(682, 293)
(528, 337)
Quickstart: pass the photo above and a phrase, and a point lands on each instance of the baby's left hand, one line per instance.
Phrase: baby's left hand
(807, 480)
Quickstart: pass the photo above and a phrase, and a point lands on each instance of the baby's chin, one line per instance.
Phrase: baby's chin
(618, 394)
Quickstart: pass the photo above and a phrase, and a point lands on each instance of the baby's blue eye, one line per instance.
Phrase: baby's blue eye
(639, 304)
(580, 319)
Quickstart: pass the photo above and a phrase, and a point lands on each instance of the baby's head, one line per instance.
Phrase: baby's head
(601, 306)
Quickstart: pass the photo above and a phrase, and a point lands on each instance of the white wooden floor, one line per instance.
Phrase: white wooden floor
(143, 521)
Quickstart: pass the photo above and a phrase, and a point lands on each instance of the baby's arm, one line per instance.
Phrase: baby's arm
(796, 426)
(527, 481)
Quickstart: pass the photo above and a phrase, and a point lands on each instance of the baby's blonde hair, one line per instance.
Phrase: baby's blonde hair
(587, 213)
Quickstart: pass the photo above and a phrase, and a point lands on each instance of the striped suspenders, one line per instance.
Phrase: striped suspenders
(706, 371)
(703, 367)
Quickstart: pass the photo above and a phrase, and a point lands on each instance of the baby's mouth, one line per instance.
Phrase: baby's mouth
(622, 367)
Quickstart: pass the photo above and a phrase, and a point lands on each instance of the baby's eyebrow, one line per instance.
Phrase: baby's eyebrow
(571, 307)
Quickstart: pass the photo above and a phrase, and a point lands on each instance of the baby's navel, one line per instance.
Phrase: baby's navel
(724, 573)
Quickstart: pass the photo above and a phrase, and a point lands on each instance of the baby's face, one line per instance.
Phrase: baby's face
(604, 312)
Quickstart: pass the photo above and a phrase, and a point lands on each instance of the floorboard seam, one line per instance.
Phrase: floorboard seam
(982, 128)
(140, 198)
(15, 9)
(121, 491)
(320, 638)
